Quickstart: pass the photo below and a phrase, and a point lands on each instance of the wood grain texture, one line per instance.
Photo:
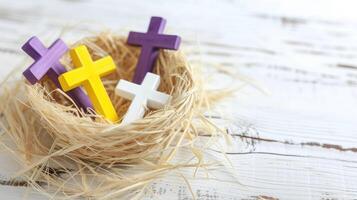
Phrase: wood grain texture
(297, 141)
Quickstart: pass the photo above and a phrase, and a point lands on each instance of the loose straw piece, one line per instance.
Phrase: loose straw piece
(68, 153)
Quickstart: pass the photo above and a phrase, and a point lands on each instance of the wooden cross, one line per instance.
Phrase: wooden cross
(141, 95)
(47, 64)
(88, 73)
(151, 42)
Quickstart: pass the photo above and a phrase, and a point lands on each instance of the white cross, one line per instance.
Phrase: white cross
(142, 96)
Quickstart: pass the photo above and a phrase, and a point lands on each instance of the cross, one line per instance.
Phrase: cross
(141, 95)
(151, 42)
(88, 73)
(47, 63)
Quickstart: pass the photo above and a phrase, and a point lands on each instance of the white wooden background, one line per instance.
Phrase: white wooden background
(298, 141)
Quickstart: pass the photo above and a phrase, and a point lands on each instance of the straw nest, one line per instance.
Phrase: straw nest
(67, 153)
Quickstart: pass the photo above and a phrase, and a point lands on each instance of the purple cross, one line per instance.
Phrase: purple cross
(47, 63)
(151, 42)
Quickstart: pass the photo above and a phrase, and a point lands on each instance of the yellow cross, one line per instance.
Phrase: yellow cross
(88, 73)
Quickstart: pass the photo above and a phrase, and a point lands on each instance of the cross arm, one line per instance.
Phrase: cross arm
(80, 56)
(157, 24)
(124, 87)
(34, 48)
(105, 66)
(155, 40)
(171, 42)
(73, 79)
(157, 100)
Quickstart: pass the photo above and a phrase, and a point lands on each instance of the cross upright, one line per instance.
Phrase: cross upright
(88, 73)
(150, 43)
(47, 64)
(142, 96)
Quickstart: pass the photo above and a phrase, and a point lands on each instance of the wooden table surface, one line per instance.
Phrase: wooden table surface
(296, 140)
